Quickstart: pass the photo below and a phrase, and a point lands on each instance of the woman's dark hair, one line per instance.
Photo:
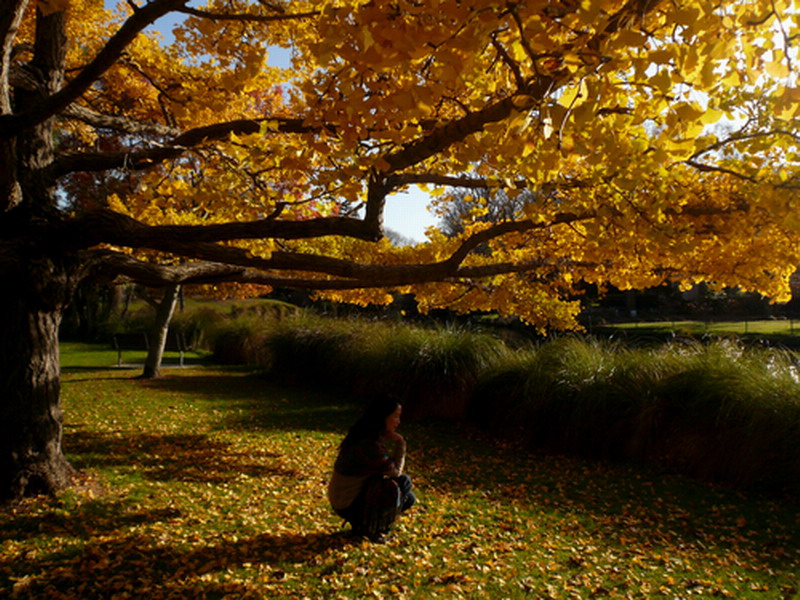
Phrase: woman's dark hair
(372, 422)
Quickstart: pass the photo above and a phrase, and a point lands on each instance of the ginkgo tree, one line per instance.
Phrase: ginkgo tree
(653, 141)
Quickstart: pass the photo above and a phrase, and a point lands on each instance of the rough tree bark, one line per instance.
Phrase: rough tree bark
(33, 298)
(39, 278)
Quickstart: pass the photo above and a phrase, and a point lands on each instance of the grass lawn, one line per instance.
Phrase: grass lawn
(76, 355)
(210, 483)
(768, 327)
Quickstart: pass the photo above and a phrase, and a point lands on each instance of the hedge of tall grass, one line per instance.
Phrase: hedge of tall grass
(718, 411)
(432, 371)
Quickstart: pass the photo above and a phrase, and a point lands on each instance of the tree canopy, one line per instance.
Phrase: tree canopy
(237, 169)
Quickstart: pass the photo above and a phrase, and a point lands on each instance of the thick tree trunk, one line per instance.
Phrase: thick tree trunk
(158, 337)
(31, 459)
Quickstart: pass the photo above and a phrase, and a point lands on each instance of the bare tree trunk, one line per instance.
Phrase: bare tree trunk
(31, 459)
(158, 337)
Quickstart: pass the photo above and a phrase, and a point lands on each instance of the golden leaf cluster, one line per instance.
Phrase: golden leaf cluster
(670, 130)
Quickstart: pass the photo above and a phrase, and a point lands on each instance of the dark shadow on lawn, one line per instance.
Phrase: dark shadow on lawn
(255, 403)
(178, 457)
(141, 568)
(94, 518)
(231, 384)
(124, 371)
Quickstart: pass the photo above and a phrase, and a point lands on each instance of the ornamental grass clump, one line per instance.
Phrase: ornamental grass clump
(559, 396)
(731, 414)
(312, 351)
(434, 371)
(240, 341)
(720, 412)
(505, 399)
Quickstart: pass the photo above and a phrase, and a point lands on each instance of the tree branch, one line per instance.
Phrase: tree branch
(12, 125)
(193, 242)
(99, 120)
(108, 265)
(226, 263)
(106, 226)
(142, 159)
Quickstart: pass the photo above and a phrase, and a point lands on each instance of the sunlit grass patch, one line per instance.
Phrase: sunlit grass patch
(79, 355)
(210, 483)
(742, 327)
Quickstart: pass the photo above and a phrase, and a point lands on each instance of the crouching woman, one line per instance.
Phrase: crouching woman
(368, 488)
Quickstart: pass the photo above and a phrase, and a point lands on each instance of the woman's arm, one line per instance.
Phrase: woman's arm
(398, 454)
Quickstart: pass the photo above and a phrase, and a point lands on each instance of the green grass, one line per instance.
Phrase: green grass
(75, 355)
(210, 483)
(769, 327)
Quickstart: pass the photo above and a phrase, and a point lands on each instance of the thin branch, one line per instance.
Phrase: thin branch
(787, 41)
(509, 62)
(507, 227)
(742, 137)
(458, 130)
(523, 38)
(132, 64)
(717, 169)
(401, 179)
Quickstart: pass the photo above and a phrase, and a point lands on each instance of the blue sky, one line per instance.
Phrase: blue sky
(408, 214)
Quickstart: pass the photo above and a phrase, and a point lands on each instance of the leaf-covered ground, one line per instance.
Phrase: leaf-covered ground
(210, 483)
